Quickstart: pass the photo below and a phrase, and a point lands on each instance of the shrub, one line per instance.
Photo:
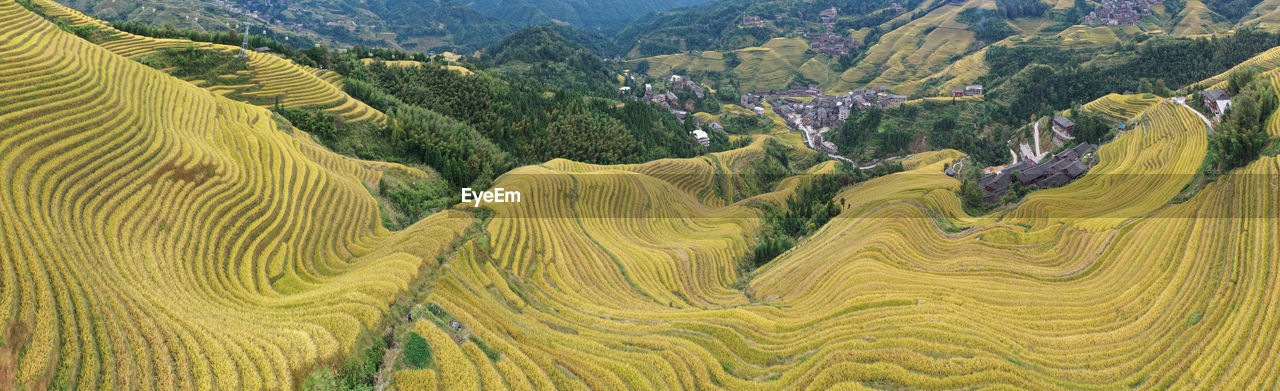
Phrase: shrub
(417, 352)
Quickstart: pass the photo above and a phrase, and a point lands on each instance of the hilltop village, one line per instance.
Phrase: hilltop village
(667, 98)
(1120, 12)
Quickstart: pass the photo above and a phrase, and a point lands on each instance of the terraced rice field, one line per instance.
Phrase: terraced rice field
(1269, 59)
(1265, 15)
(272, 77)
(158, 236)
(1080, 288)
(1121, 108)
(410, 63)
(1273, 123)
(1137, 173)
(1198, 19)
(912, 52)
(710, 60)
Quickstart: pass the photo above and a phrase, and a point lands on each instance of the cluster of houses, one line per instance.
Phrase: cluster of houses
(829, 15)
(1118, 12)
(752, 21)
(821, 110)
(1057, 171)
(701, 135)
(899, 8)
(831, 44)
(970, 90)
(668, 98)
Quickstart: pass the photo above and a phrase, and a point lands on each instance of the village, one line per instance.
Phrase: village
(1061, 168)
(668, 99)
(808, 110)
(1120, 12)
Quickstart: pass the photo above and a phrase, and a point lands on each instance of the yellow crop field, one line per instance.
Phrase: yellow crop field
(920, 48)
(703, 61)
(273, 77)
(1197, 19)
(158, 236)
(1121, 108)
(1265, 15)
(766, 66)
(882, 297)
(957, 75)
(412, 63)
(1273, 123)
(1139, 172)
(1269, 59)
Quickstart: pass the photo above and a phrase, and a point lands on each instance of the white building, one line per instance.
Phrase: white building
(702, 137)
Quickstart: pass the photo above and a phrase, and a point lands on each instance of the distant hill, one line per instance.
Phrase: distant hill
(719, 25)
(562, 56)
(432, 25)
(591, 14)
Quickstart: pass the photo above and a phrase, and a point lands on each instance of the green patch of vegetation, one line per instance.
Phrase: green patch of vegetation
(403, 198)
(191, 63)
(810, 208)
(1241, 136)
(510, 121)
(554, 55)
(1194, 318)
(987, 25)
(1032, 78)
(488, 351)
(358, 373)
(1015, 361)
(966, 126)
(417, 352)
(1274, 149)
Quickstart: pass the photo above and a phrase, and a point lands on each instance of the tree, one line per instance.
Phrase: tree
(1239, 78)
(731, 60)
(858, 128)
(1236, 147)
(641, 67)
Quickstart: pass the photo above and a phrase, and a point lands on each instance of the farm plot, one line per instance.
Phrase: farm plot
(158, 236)
(902, 290)
(275, 79)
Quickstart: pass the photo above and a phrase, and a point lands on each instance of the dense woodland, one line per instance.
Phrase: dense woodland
(1242, 135)
(715, 26)
(1033, 79)
(557, 56)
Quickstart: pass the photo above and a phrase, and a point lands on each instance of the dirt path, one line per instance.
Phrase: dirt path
(1036, 133)
(1207, 124)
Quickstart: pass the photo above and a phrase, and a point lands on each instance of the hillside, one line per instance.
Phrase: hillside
(912, 50)
(160, 236)
(170, 226)
(560, 56)
(436, 25)
(266, 80)
(897, 292)
(588, 14)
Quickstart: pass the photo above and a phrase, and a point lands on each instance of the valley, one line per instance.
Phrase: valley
(740, 195)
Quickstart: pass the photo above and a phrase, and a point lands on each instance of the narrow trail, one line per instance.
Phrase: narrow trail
(1036, 134)
(1183, 102)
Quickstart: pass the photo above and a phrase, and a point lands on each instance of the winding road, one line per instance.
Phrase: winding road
(1183, 101)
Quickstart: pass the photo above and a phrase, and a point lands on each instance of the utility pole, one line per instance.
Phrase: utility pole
(244, 45)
